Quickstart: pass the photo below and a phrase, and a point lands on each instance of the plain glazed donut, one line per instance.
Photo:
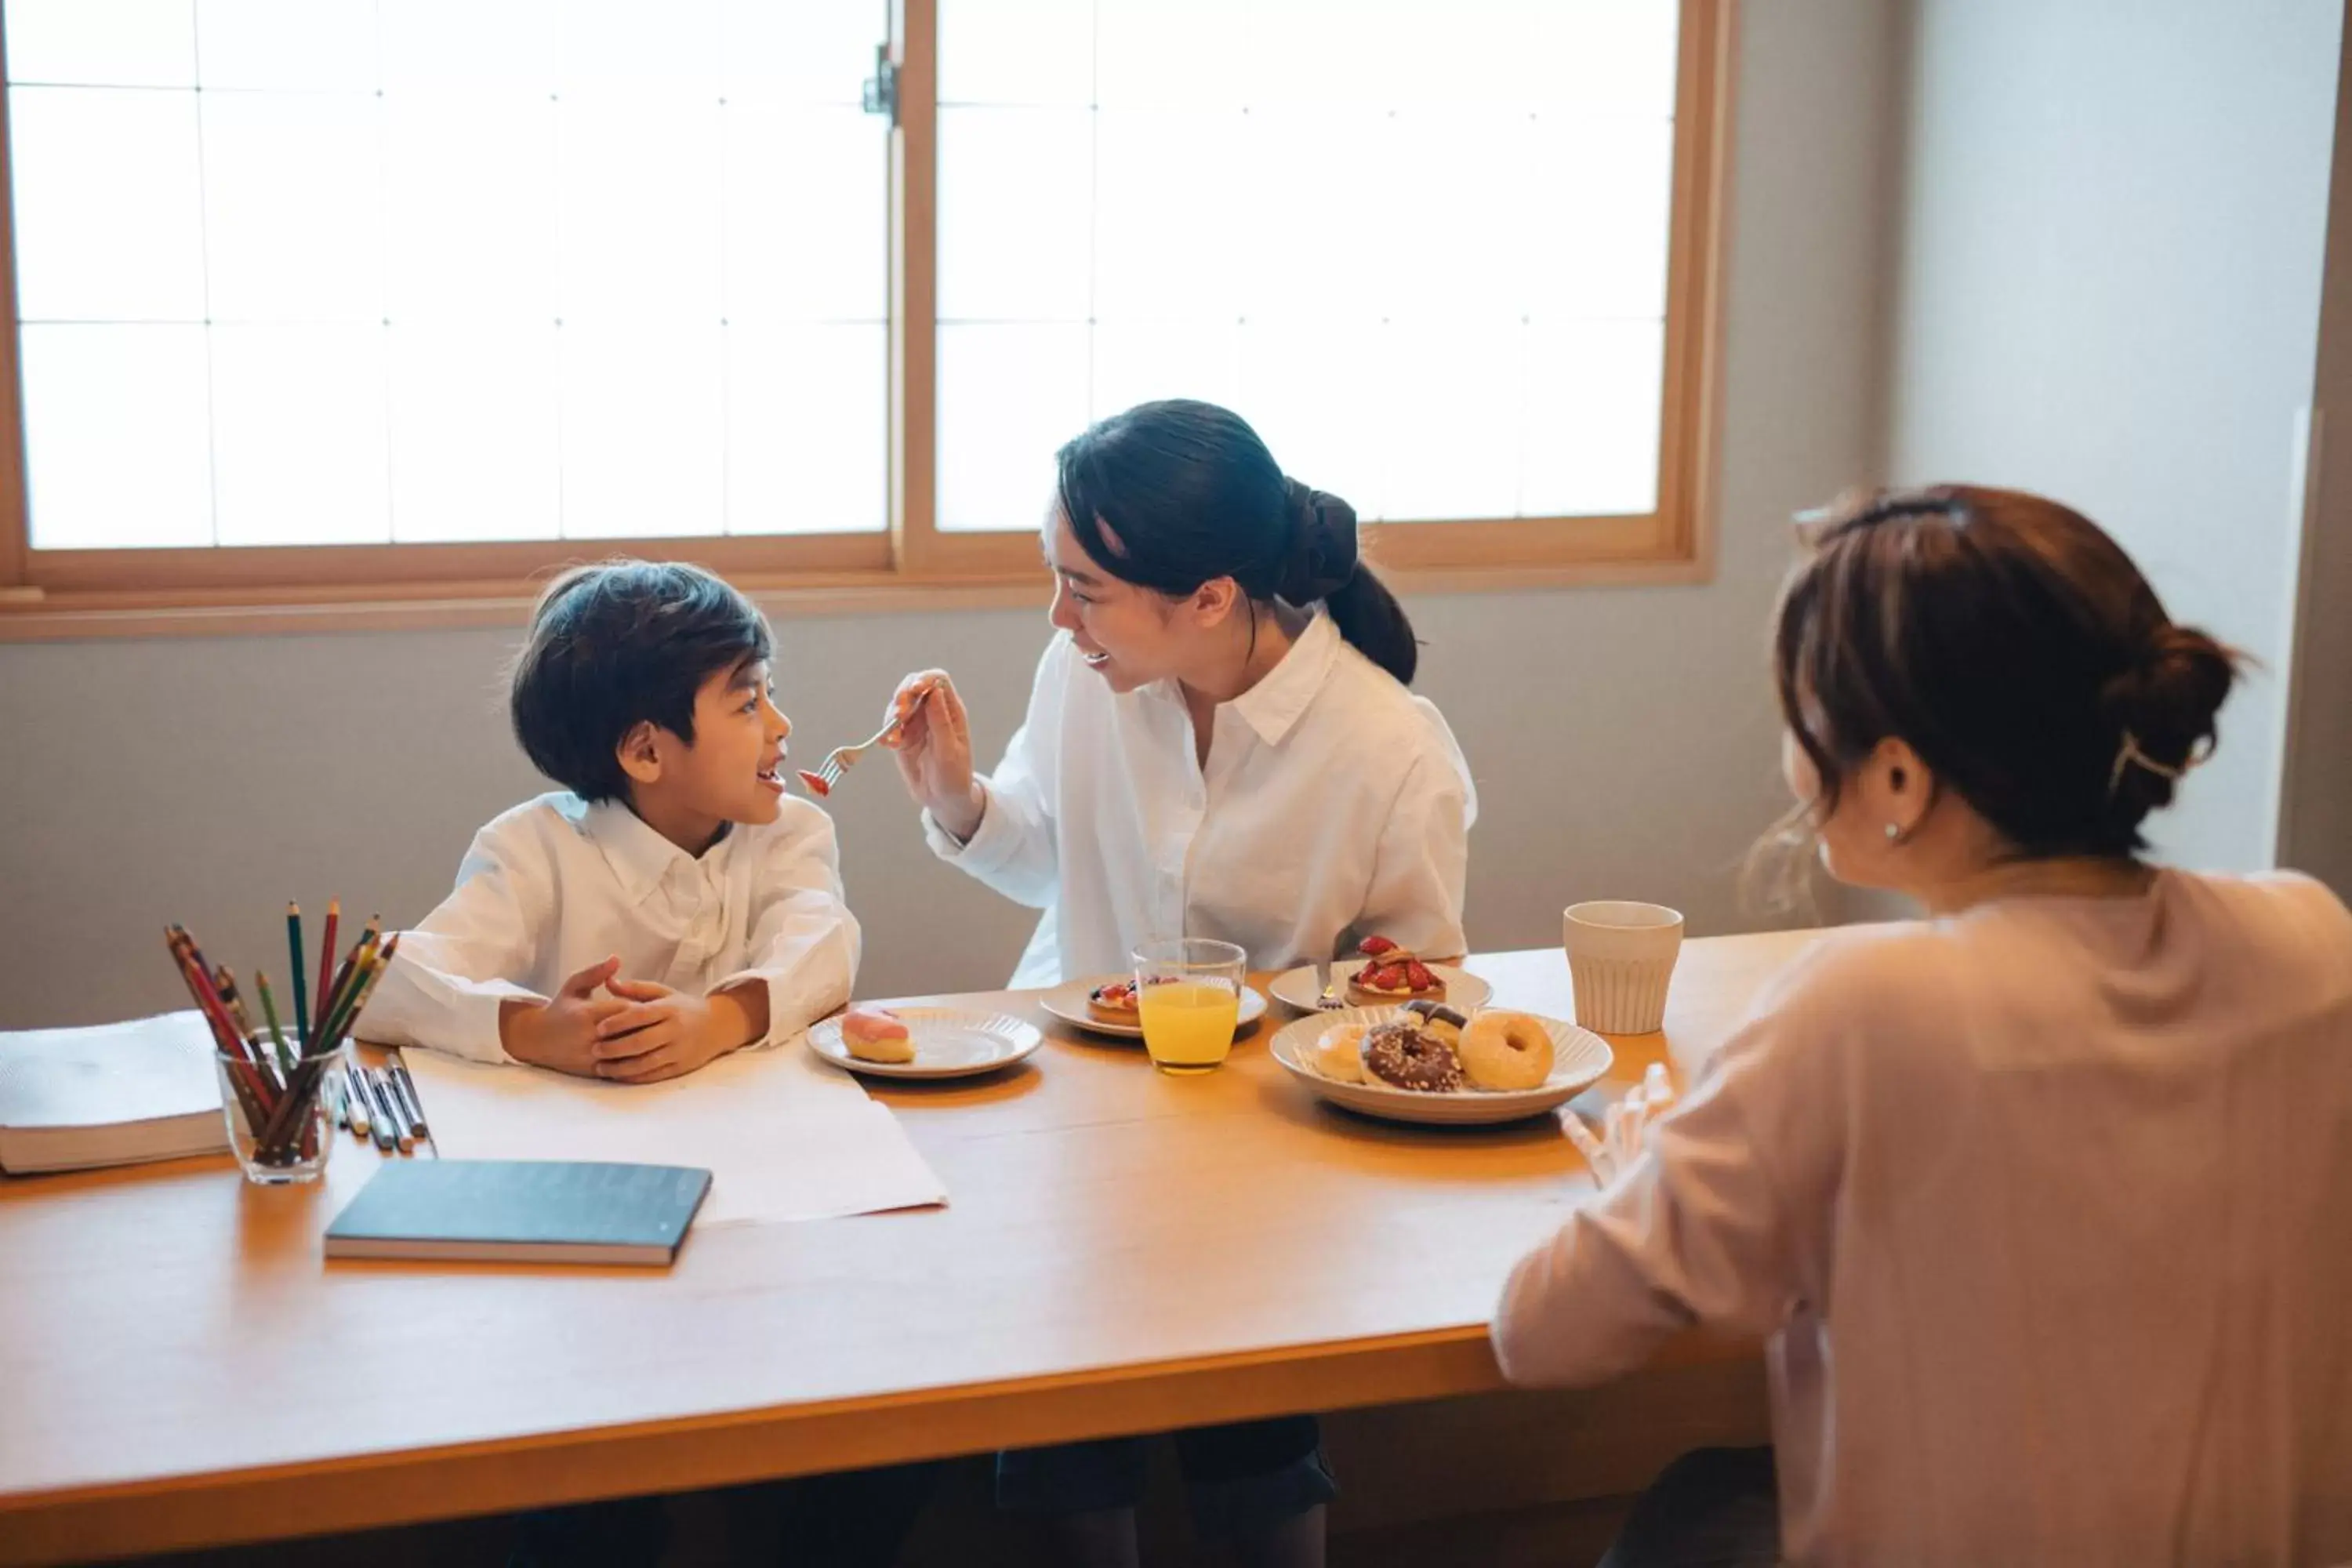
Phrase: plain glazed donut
(1503, 1050)
(1338, 1054)
(1402, 1057)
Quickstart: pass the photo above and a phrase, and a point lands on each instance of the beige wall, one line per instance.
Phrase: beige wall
(1623, 737)
(2108, 290)
(2315, 807)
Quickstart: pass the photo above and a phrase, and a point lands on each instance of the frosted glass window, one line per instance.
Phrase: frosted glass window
(469, 224)
(294, 207)
(109, 205)
(1422, 249)
(637, 215)
(1019, 392)
(814, 51)
(343, 271)
(118, 43)
(292, 46)
(642, 411)
(474, 432)
(807, 226)
(459, 45)
(1024, 52)
(299, 446)
(807, 429)
(94, 393)
(1015, 187)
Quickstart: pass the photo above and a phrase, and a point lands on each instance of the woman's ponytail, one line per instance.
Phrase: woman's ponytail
(1325, 567)
(1193, 494)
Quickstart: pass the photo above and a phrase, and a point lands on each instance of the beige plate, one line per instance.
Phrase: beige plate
(949, 1043)
(1068, 1003)
(1579, 1059)
(1298, 987)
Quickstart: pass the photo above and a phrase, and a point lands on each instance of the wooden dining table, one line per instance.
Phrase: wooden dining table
(1122, 1250)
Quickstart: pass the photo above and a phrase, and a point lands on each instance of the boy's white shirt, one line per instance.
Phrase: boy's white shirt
(1335, 805)
(555, 885)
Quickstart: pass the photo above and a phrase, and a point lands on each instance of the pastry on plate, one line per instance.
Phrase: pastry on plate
(1504, 1050)
(1404, 1056)
(876, 1035)
(1114, 1002)
(1391, 975)
(1338, 1052)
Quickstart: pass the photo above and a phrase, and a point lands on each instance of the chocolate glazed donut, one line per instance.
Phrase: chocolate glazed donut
(1400, 1055)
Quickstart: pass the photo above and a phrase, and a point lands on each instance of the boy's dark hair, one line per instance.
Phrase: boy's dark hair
(612, 646)
(2016, 648)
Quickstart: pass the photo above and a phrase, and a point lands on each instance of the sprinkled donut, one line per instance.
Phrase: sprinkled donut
(1401, 1055)
(1504, 1050)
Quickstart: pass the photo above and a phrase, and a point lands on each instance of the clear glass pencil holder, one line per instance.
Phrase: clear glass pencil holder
(280, 1122)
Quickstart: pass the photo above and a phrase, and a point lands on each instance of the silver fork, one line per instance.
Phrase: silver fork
(1327, 1000)
(841, 759)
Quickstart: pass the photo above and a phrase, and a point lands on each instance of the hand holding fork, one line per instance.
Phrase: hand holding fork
(841, 759)
(1618, 1144)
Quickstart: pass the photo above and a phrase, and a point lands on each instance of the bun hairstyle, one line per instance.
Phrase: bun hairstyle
(2014, 645)
(1191, 495)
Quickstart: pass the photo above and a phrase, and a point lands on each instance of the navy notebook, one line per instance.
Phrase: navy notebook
(520, 1211)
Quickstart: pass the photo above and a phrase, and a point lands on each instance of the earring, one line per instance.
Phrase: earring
(1893, 834)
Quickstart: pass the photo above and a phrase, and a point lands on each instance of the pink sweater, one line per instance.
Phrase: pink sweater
(2047, 1210)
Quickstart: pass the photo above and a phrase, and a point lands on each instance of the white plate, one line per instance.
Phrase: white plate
(1068, 1003)
(1579, 1059)
(949, 1043)
(1298, 986)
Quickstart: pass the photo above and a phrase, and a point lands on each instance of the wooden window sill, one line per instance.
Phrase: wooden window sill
(32, 615)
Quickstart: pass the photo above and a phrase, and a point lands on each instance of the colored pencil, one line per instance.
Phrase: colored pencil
(253, 1091)
(269, 1012)
(362, 986)
(301, 998)
(327, 955)
(362, 951)
(226, 983)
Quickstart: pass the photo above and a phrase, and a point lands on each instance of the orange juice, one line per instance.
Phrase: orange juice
(1188, 1025)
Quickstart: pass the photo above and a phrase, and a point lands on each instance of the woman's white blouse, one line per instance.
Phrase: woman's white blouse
(1334, 804)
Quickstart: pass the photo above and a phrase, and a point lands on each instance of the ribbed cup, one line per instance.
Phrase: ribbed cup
(1621, 956)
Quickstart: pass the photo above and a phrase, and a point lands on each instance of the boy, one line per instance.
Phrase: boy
(669, 904)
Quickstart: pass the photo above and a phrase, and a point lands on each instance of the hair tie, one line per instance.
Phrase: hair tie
(1323, 556)
(2129, 756)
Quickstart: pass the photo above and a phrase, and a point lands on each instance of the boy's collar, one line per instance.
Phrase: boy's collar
(639, 856)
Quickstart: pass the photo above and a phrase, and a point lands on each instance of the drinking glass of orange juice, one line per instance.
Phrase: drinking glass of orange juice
(1190, 991)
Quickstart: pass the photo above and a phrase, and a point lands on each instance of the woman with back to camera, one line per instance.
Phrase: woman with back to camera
(1220, 742)
(2044, 1200)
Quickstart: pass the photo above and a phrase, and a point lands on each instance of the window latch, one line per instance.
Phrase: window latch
(881, 96)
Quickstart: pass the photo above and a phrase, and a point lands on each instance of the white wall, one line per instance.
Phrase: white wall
(2107, 290)
(2315, 807)
(1623, 738)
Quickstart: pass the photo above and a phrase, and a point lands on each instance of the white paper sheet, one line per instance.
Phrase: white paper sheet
(783, 1136)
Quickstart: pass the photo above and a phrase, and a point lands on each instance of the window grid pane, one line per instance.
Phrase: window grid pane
(1422, 249)
(343, 271)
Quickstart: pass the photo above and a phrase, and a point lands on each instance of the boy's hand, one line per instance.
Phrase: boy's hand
(933, 746)
(659, 1033)
(561, 1033)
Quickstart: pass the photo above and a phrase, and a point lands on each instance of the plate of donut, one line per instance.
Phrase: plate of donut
(1364, 1058)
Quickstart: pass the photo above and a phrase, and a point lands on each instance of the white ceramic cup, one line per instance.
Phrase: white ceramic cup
(1621, 956)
